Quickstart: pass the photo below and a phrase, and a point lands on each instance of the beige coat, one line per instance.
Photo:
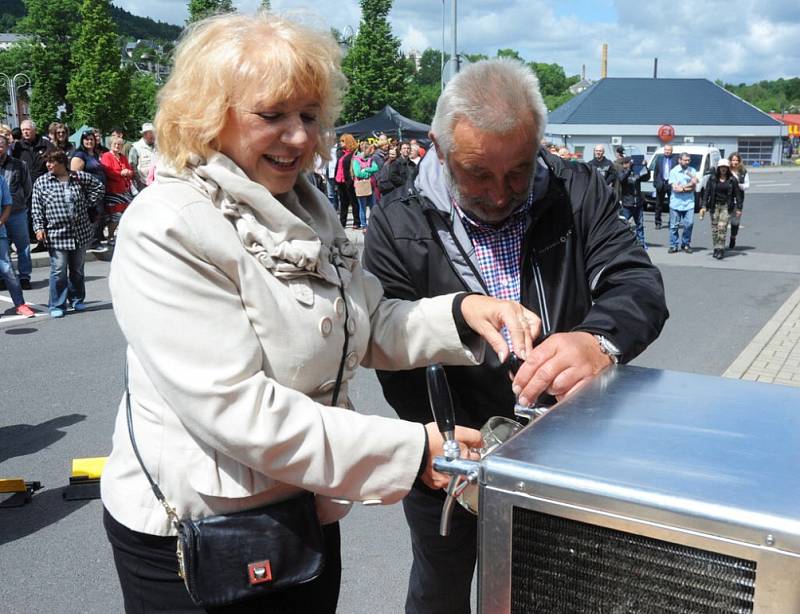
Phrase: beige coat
(229, 302)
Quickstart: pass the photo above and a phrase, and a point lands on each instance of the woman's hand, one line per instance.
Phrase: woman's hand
(702, 212)
(487, 316)
(41, 236)
(467, 438)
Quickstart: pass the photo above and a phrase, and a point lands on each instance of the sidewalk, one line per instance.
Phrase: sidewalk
(773, 355)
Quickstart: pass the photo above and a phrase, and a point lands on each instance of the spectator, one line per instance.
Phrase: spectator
(721, 201)
(330, 177)
(61, 204)
(363, 168)
(381, 150)
(743, 179)
(383, 176)
(603, 165)
(683, 182)
(18, 180)
(344, 181)
(6, 272)
(403, 168)
(552, 148)
(661, 182)
(120, 133)
(59, 137)
(565, 154)
(99, 142)
(142, 155)
(86, 158)
(413, 153)
(631, 196)
(31, 149)
(119, 177)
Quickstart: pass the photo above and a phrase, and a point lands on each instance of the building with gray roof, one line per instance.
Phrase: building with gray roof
(640, 114)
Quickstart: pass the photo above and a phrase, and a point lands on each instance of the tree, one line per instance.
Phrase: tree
(141, 102)
(374, 66)
(51, 26)
(200, 9)
(266, 5)
(98, 88)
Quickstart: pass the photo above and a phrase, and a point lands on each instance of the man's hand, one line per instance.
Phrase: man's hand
(487, 316)
(702, 212)
(559, 365)
(466, 437)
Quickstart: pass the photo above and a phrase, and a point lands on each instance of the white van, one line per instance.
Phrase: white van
(703, 159)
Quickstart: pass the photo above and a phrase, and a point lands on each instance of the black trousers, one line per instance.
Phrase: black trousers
(148, 573)
(348, 201)
(441, 574)
(662, 204)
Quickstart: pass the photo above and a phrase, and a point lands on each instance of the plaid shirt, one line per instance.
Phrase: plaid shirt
(498, 249)
(60, 208)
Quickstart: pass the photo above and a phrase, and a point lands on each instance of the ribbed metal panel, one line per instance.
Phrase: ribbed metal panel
(570, 567)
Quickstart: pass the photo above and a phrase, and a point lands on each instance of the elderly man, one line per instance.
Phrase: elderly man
(16, 175)
(142, 155)
(489, 212)
(661, 183)
(31, 149)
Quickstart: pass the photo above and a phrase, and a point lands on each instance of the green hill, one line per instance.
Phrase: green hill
(128, 25)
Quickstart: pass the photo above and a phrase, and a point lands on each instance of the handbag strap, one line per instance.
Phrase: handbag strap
(171, 513)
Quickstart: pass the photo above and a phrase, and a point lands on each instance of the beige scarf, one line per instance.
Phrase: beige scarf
(293, 235)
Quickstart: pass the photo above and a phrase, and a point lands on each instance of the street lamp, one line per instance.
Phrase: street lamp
(17, 82)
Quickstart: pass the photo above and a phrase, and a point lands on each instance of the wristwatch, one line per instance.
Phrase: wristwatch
(608, 348)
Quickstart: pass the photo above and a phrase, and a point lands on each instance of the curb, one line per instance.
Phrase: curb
(751, 353)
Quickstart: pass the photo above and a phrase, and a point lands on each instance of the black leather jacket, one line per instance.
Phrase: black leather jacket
(581, 270)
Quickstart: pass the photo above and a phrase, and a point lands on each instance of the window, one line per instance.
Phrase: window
(756, 151)
(579, 151)
(651, 149)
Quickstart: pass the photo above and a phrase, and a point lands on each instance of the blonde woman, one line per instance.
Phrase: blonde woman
(236, 289)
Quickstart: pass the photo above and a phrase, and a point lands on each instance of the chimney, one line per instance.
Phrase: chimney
(655, 68)
(604, 62)
(583, 72)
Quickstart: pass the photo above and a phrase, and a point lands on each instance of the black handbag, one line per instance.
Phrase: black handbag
(228, 558)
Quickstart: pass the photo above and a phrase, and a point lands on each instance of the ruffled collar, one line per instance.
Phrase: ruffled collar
(293, 235)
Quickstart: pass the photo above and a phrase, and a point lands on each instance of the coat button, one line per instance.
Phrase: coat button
(351, 325)
(327, 386)
(338, 305)
(325, 326)
(352, 360)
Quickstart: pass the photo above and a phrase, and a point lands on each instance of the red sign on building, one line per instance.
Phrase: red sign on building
(666, 133)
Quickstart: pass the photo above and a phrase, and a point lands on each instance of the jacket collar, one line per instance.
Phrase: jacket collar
(292, 235)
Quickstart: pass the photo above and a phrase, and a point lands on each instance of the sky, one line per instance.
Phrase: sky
(737, 41)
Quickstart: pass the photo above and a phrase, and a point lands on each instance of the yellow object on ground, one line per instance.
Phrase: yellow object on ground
(12, 485)
(90, 468)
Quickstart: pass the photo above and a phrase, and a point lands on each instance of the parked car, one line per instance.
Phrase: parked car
(703, 159)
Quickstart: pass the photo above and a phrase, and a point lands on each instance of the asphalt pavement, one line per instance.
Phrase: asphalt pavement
(62, 382)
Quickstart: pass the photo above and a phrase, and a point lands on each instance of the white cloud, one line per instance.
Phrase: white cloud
(735, 40)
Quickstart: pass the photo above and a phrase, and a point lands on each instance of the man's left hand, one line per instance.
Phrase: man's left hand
(559, 365)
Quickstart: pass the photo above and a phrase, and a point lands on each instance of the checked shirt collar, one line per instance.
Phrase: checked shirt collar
(497, 249)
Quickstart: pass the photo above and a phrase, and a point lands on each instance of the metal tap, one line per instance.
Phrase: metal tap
(463, 472)
(529, 412)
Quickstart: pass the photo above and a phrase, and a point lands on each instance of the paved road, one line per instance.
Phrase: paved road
(62, 382)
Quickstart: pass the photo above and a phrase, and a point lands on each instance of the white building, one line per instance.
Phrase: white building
(641, 114)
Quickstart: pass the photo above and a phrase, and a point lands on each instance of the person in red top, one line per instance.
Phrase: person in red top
(118, 184)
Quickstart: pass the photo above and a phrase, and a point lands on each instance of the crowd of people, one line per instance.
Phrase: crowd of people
(676, 185)
(359, 174)
(66, 198)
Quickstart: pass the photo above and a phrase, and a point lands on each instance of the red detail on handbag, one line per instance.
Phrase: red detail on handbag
(259, 572)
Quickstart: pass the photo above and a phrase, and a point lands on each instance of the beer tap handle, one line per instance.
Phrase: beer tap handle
(442, 408)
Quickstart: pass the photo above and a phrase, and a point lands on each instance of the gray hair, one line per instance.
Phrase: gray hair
(28, 121)
(492, 95)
